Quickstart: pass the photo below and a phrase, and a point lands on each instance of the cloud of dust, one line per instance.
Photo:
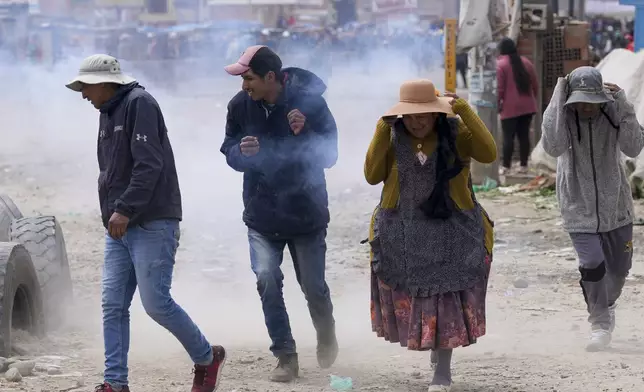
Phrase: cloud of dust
(50, 128)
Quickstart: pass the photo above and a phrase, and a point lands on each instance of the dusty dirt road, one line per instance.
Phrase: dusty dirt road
(536, 335)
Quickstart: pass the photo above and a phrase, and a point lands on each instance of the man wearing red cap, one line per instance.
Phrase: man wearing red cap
(281, 135)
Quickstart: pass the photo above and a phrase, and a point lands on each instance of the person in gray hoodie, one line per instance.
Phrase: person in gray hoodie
(587, 126)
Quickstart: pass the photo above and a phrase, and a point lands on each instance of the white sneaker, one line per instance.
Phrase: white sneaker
(599, 340)
(611, 311)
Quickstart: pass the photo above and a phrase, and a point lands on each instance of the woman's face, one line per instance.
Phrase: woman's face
(419, 125)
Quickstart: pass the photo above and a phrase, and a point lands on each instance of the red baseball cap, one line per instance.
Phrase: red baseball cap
(243, 64)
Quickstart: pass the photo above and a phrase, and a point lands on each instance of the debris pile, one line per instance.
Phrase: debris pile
(17, 368)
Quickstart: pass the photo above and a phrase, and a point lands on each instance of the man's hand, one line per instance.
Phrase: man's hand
(296, 119)
(249, 146)
(117, 226)
(612, 88)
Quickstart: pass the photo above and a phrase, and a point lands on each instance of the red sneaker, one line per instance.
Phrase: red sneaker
(207, 377)
(105, 387)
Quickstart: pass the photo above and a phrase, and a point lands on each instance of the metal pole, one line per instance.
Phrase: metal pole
(483, 96)
(537, 57)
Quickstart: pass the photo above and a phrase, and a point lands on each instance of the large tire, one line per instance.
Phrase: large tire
(21, 304)
(8, 212)
(42, 236)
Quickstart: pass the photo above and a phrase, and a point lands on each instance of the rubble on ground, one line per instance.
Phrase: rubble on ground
(14, 369)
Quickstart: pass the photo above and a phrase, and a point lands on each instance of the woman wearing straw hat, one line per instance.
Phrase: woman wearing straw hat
(431, 241)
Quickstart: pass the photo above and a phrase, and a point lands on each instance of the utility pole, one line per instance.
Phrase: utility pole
(450, 54)
(483, 94)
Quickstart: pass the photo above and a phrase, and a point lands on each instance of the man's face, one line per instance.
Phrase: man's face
(586, 110)
(256, 86)
(97, 94)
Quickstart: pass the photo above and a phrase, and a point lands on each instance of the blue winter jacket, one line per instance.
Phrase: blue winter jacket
(284, 184)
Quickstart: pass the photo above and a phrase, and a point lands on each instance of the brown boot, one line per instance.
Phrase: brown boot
(287, 369)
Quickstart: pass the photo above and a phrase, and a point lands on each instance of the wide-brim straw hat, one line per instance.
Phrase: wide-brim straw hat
(417, 97)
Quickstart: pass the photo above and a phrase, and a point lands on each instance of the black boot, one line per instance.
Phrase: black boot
(327, 350)
(287, 369)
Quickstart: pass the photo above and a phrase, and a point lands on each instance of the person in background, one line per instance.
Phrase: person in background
(630, 42)
(587, 126)
(431, 242)
(518, 90)
(281, 134)
(595, 58)
(609, 45)
(461, 67)
(141, 209)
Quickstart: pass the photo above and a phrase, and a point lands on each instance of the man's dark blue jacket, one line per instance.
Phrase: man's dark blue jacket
(138, 177)
(284, 184)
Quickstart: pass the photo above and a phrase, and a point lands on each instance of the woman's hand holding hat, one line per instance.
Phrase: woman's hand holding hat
(454, 98)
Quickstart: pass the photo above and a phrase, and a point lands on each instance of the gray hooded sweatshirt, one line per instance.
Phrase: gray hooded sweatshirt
(593, 191)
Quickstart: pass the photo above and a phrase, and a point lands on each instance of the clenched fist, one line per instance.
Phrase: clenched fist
(296, 120)
(249, 146)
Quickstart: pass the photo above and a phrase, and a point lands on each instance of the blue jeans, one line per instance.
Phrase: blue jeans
(144, 257)
(308, 253)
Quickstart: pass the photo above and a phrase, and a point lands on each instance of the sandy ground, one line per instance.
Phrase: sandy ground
(536, 335)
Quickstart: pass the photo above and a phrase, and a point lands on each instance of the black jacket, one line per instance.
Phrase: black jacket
(284, 184)
(138, 177)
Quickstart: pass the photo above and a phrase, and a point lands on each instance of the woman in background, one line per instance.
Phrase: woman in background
(518, 90)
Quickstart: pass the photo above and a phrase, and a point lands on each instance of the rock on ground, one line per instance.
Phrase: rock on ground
(13, 375)
(24, 367)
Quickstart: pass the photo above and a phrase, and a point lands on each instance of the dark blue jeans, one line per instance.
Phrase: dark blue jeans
(308, 253)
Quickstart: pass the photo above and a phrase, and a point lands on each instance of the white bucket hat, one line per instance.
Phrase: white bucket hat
(99, 68)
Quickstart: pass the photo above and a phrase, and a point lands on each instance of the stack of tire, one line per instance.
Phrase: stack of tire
(35, 280)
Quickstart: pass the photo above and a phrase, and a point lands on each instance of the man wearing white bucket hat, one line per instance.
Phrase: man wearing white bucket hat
(587, 126)
(141, 209)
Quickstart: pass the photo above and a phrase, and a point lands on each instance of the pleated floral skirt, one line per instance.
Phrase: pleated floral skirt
(443, 321)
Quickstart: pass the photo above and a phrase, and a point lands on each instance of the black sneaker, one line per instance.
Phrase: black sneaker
(287, 369)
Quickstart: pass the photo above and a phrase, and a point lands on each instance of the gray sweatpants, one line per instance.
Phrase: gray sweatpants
(605, 260)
